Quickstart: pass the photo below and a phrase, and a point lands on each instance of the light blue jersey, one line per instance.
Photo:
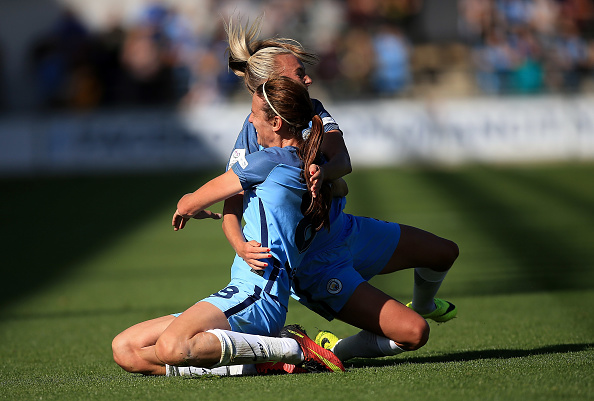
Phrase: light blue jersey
(354, 250)
(247, 140)
(273, 196)
(247, 143)
(256, 302)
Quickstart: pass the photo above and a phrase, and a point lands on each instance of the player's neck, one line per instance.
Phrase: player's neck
(289, 141)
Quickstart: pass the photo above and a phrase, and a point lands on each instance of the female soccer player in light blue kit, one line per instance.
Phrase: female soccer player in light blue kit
(230, 326)
(325, 283)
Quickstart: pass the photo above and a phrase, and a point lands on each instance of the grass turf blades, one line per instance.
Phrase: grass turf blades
(73, 277)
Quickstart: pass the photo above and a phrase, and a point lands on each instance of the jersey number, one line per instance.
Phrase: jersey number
(227, 292)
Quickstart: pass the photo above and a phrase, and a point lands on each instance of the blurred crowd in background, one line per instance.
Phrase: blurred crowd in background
(168, 55)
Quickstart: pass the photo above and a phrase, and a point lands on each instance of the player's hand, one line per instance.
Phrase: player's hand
(252, 252)
(207, 214)
(178, 222)
(316, 179)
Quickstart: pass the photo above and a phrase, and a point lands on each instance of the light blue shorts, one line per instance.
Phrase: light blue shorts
(249, 309)
(326, 280)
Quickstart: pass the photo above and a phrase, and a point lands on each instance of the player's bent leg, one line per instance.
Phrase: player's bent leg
(388, 329)
(133, 349)
(372, 310)
(419, 248)
(431, 257)
(186, 342)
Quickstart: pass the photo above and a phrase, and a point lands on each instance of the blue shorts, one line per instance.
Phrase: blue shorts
(249, 309)
(326, 280)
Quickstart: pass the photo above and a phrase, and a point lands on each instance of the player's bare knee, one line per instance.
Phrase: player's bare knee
(119, 347)
(453, 251)
(123, 353)
(417, 335)
(170, 350)
(423, 335)
(448, 253)
(203, 350)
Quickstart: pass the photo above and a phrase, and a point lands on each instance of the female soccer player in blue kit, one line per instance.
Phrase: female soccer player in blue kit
(230, 326)
(377, 247)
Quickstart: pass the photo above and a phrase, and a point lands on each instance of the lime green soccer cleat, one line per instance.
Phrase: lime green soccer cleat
(326, 340)
(445, 311)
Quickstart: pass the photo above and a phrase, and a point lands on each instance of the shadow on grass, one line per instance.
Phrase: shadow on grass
(579, 200)
(547, 260)
(515, 211)
(473, 355)
(161, 310)
(50, 225)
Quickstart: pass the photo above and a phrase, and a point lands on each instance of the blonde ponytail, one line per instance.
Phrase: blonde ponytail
(254, 60)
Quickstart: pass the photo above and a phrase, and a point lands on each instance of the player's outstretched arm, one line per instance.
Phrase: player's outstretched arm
(179, 221)
(216, 190)
(250, 251)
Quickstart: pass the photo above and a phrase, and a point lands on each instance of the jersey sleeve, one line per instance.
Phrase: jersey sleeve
(252, 169)
(246, 143)
(329, 123)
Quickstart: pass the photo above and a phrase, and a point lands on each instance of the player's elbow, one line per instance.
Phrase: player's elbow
(345, 162)
(348, 168)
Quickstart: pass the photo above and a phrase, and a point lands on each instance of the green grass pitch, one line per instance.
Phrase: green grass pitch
(84, 258)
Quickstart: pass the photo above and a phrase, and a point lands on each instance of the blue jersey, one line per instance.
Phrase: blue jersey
(320, 269)
(256, 302)
(336, 261)
(247, 143)
(247, 140)
(273, 195)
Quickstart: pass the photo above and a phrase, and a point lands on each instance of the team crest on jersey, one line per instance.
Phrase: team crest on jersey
(334, 286)
(238, 156)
